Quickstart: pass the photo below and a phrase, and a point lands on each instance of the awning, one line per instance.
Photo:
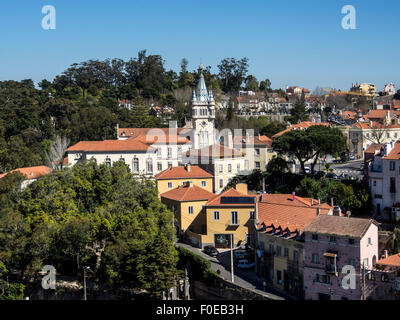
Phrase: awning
(330, 254)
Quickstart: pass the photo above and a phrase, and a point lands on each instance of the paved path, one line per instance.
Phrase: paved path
(243, 278)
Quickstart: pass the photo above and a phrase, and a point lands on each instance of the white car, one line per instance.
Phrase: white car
(245, 264)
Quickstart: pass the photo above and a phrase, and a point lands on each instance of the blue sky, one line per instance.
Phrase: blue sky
(291, 42)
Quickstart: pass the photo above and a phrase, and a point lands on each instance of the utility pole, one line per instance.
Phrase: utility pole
(232, 274)
(84, 283)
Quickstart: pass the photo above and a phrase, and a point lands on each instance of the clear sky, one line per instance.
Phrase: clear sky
(291, 42)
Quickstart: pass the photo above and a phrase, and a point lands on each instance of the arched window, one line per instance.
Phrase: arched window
(135, 165)
(122, 159)
(108, 162)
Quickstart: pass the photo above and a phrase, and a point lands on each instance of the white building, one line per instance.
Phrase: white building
(384, 181)
(148, 151)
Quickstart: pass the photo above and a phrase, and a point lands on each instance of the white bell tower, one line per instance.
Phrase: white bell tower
(203, 114)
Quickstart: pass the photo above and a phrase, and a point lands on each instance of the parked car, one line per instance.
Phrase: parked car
(351, 156)
(211, 251)
(307, 170)
(245, 264)
(238, 254)
(332, 175)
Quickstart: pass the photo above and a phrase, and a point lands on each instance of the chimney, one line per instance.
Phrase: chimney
(293, 196)
(117, 130)
(312, 202)
(241, 187)
(386, 254)
(188, 167)
(319, 201)
(331, 202)
(337, 211)
(318, 211)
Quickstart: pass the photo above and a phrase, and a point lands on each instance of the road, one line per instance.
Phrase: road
(244, 278)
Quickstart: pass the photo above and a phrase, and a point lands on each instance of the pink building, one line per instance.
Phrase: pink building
(332, 242)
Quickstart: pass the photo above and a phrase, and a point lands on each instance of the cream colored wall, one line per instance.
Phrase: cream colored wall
(221, 226)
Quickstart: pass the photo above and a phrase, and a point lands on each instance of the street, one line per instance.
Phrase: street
(244, 278)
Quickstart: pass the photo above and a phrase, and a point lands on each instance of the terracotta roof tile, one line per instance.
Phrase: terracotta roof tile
(111, 145)
(341, 226)
(395, 153)
(393, 260)
(281, 210)
(188, 193)
(31, 172)
(300, 126)
(181, 172)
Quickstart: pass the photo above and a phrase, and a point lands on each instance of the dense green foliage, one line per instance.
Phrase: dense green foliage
(199, 268)
(91, 215)
(311, 144)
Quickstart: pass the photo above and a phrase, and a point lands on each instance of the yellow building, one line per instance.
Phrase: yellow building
(282, 219)
(174, 177)
(187, 202)
(230, 213)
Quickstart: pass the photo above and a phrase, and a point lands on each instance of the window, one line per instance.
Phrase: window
(108, 162)
(351, 241)
(169, 152)
(221, 183)
(159, 153)
(159, 166)
(216, 215)
(332, 239)
(149, 166)
(278, 251)
(229, 168)
(135, 165)
(169, 185)
(369, 241)
(257, 152)
(271, 249)
(315, 258)
(122, 159)
(365, 262)
(251, 215)
(179, 152)
(392, 165)
(315, 237)
(295, 255)
(234, 216)
(238, 167)
(221, 168)
(279, 276)
(286, 252)
(392, 185)
(203, 184)
(190, 209)
(258, 166)
(374, 183)
(169, 164)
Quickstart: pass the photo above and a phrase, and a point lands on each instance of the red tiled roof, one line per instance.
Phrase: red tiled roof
(258, 141)
(341, 226)
(151, 133)
(378, 114)
(186, 193)
(31, 172)
(281, 211)
(301, 126)
(182, 173)
(393, 260)
(232, 192)
(374, 125)
(111, 145)
(395, 153)
(374, 147)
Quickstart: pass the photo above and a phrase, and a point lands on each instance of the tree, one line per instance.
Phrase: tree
(298, 113)
(232, 73)
(265, 85)
(251, 83)
(55, 156)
